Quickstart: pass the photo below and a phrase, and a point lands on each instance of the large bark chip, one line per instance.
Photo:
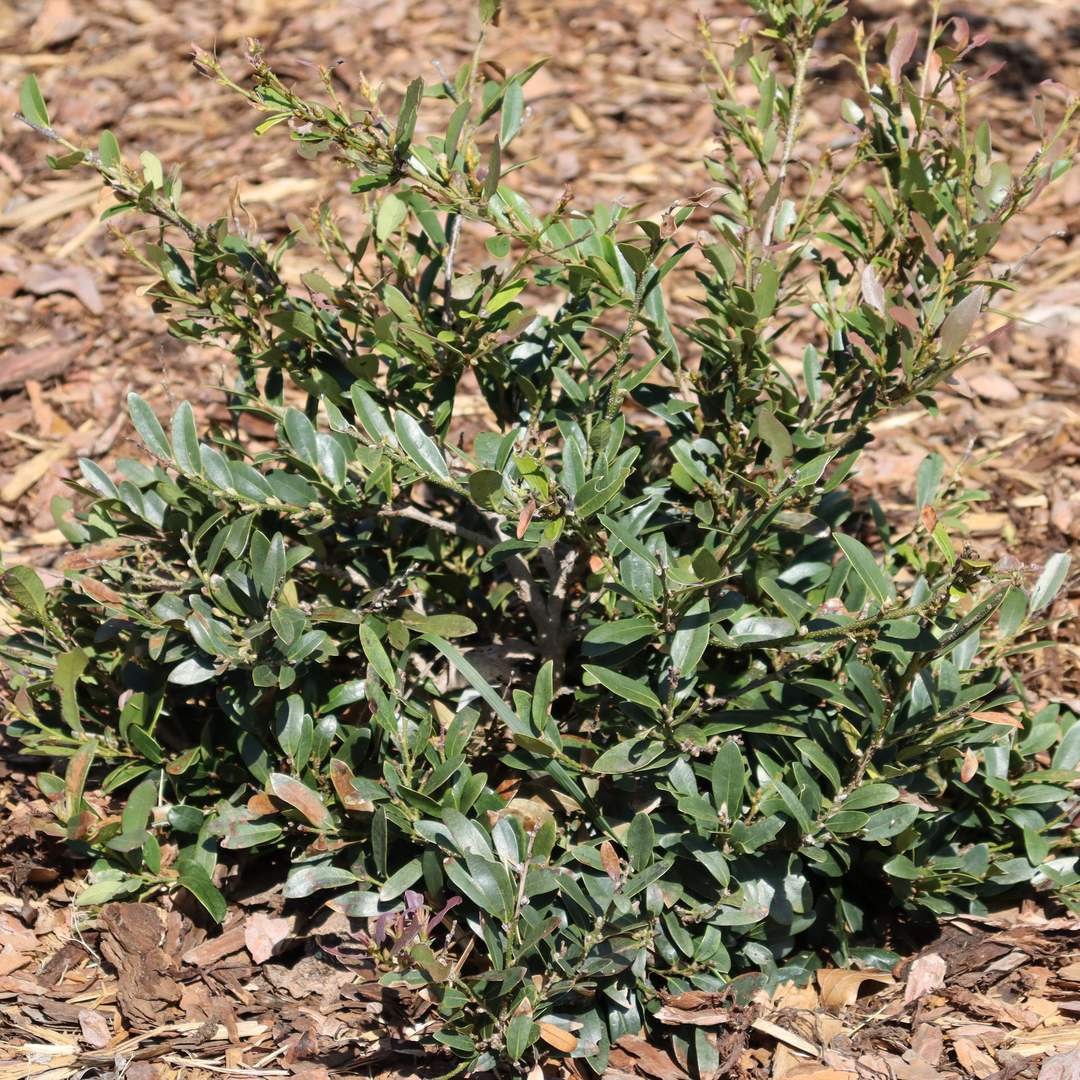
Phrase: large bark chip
(131, 942)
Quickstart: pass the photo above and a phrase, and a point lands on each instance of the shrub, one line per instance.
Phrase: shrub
(630, 697)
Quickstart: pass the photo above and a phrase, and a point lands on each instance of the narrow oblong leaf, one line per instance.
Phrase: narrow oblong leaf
(728, 780)
(775, 435)
(197, 881)
(149, 427)
(376, 655)
(1050, 581)
(688, 644)
(621, 686)
(301, 797)
(419, 446)
(32, 104)
(865, 566)
(872, 291)
(958, 323)
(185, 439)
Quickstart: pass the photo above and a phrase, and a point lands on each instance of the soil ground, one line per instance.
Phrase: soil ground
(618, 113)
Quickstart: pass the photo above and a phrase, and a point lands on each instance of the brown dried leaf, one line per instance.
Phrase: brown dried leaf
(100, 591)
(1003, 718)
(95, 554)
(41, 280)
(669, 1014)
(57, 22)
(302, 798)
(840, 986)
(525, 518)
(341, 777)
(650, 1059)
(558, 1038)
(32, 470)
(970, 766)
(261, 803)
(610, 861)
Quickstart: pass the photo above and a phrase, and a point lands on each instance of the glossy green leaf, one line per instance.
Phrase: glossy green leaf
(624, 688)
(419, 446)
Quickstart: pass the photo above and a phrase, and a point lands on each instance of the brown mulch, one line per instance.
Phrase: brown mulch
(151, 991)
(143, 991)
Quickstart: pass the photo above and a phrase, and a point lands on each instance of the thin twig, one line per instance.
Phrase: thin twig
(557, 596)
(798, 89)
(448, 83)
(451, 250)
(439, 523)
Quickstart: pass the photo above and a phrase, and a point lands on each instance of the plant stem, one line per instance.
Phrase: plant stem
(798, 90)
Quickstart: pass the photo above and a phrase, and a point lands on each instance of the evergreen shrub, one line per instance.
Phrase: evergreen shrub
(590, 711)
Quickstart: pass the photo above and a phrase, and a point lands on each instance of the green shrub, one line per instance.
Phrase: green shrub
(630, 697)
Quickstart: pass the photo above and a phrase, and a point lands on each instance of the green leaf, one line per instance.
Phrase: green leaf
(453, 133)
(639, 841)
(931, 470)
(197, 882)
(728, 780)
(624, 688)
(629, 755)
(401, 880)
(486, 488)
(775, 435)
(691, 638)
(69, 668)
(391, 213)
(419, 446)
(264, 126)
(153, 173)
(478, 682)
(272, 571)
(958, 324)
(407, 117)
(101, 892)
(32, 104)
(491, 181)
(622, 533)
(449, 626)
(865, 566)
(521, 1033)
(1050, 581)
(190, 672)
(371, 416)
(1037, 847)
(376, 655)
(299, 324)
(140, 802)
(301, 435)
(185, 440)
(598, 492)
(75, 777)
(25, 588)
(149, 427)
(870, 795)
(308, 879)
